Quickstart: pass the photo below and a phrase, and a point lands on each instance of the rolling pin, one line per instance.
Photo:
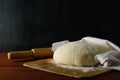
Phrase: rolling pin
(36, 53)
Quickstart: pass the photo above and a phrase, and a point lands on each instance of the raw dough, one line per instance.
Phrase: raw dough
(78, 53)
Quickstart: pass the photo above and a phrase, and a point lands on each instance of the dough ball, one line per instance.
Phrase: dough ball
(78, 54)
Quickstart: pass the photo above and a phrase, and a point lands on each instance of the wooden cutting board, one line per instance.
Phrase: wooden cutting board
(48, 65)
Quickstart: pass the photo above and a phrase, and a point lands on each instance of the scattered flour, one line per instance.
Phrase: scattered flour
(84, 69)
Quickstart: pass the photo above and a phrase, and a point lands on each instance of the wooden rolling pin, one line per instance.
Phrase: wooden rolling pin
(32, 54)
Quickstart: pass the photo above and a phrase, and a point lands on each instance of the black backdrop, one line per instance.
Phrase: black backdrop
(26, 24)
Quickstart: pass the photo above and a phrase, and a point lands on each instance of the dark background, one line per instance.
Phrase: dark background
(26, 24)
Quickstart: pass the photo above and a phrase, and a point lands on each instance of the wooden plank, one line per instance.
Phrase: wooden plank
(48, 65)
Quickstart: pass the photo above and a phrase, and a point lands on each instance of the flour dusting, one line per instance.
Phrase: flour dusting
(84, 69)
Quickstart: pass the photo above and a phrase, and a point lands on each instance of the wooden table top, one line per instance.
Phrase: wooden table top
(16, 71)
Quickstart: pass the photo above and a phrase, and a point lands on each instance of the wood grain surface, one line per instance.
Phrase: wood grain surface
(16, 71)
(49, 65)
